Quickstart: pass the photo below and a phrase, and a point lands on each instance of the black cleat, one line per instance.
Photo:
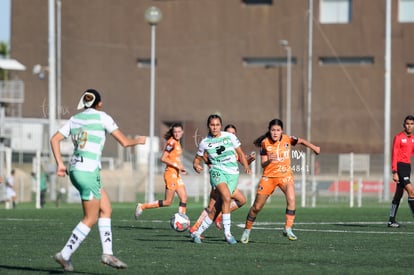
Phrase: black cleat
(393, 224)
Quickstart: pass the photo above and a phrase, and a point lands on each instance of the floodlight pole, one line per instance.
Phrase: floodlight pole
(59, 59)
(153, 16)
(387, 102)
(52, 85)
(288, 49)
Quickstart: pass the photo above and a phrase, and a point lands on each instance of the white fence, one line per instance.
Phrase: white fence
(332, 178)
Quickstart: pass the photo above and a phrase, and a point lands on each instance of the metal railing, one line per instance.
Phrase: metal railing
(12, 91)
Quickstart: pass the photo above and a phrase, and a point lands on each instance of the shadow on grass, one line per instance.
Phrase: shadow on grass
(134, 227)
(353, 225)
(56, 270)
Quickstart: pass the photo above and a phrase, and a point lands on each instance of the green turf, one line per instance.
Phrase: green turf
(332, 239)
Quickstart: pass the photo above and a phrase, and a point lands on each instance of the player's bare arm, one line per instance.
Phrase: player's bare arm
(197, 164)
(314, 148)
(243, 160)
(126, 141)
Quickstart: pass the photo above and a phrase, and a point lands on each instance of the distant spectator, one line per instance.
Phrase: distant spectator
(43, 186)
(10, 192)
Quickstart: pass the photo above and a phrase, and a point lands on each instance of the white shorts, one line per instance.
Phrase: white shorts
(10, 193)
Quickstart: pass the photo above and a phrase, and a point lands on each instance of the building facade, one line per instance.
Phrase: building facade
(225, 56)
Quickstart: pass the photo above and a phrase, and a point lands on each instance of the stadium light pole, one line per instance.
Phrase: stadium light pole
(153, 16)
(52, 83)
(387, 101)
(288, 49)
(59, 59)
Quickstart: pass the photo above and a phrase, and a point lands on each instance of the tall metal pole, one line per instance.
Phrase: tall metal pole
(309, 97)
(153, 16)
(288, 122)
(52, 69)
(289, 91)
(52, 83)
(387, 102)
(59, 59)
(310, 50)
(150, 189)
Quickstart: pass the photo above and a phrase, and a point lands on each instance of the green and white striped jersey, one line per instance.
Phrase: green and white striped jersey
(88, 132)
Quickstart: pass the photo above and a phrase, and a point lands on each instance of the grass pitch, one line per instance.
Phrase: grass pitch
(332, 239)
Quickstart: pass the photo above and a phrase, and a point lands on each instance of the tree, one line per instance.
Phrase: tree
(4, 53)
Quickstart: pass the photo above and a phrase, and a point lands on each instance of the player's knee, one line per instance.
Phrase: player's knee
(226, 199)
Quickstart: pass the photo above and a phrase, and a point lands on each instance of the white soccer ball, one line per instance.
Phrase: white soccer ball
(180, 222)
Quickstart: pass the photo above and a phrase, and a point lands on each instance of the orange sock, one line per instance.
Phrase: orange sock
(290, 218)
(249, 222)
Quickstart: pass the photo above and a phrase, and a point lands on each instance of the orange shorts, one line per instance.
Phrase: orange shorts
(172, 180)
(268, 185)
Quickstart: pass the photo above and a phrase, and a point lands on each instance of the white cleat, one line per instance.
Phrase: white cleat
(287, 232)
(138, 211)
(245, 237)
(113, 261)
(66, 264)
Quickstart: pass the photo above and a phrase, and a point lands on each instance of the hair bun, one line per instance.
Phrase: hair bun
(89, 99)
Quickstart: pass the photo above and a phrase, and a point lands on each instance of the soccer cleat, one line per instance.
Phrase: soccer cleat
(287, 232)
(218, 222)
(230, 239)
(196, 238)
(113, 261)
(192, 230)
(393, 224)
(66, 264)
(245, 237)
(138, 211)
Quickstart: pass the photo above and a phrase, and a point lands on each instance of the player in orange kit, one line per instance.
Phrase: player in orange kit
(173, 182)
(275, 152)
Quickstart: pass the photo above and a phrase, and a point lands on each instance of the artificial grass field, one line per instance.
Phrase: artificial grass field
(332, 239)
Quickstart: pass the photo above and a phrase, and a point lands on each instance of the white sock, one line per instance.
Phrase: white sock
(226, 224)
(204, 225)
(79, 233)
(105, 233)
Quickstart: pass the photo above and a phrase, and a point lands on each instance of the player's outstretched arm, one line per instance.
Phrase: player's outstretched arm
(314, 148)
(126, 141)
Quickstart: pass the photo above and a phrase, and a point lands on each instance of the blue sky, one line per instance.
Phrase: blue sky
(5, 21)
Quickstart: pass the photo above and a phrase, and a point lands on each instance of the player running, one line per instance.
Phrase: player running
(238, 198)
(222, 149)
(88, 131)
(275, 152)
(172, 178)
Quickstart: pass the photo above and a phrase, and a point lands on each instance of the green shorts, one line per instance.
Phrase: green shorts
(217, 177)
(87, 183)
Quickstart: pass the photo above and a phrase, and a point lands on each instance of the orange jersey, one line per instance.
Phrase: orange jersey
(280, 167)
(173, 147)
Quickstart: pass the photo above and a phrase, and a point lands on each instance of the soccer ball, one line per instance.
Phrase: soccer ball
(180, 222)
